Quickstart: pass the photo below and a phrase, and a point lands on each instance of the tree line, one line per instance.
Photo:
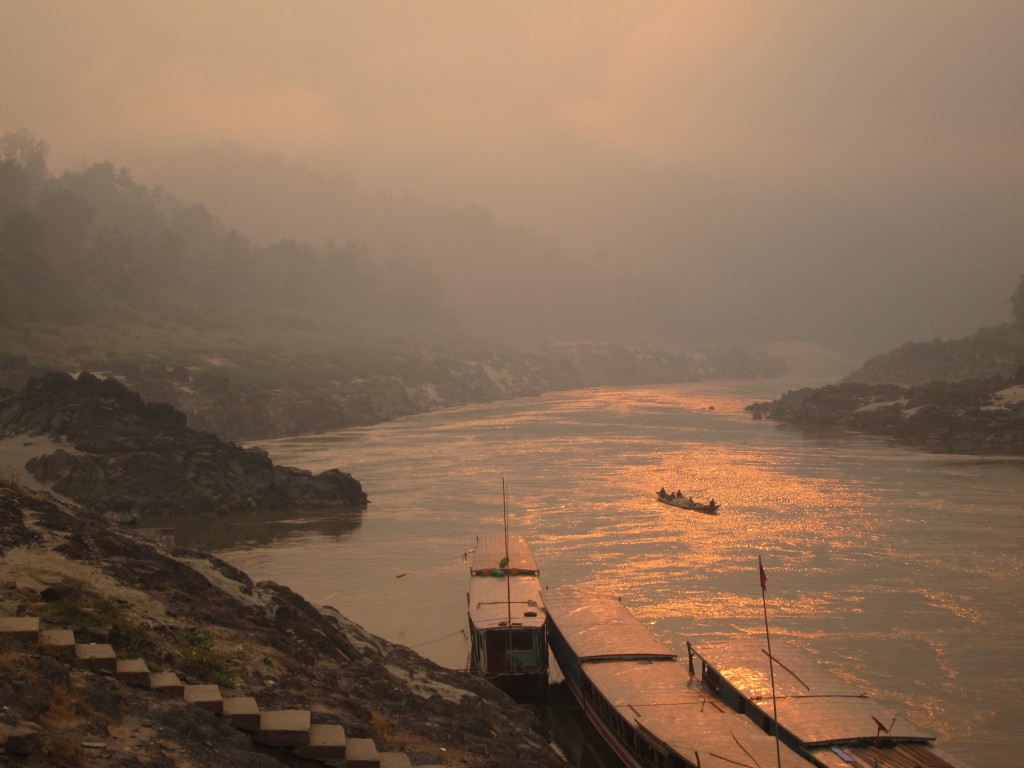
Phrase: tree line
(95, 246)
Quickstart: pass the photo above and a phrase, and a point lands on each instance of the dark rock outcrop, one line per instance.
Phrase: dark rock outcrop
(975, 416)
(125, 454)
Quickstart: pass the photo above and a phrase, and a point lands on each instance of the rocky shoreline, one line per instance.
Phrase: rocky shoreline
(973, 417)
(242, 397)
(69, 560)
(120, 454)
(188, 611)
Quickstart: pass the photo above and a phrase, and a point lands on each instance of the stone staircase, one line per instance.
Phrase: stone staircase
(290, 729)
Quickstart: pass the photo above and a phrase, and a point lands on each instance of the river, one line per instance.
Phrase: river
(900, 570)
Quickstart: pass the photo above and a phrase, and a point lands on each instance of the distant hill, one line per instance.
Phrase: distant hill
(963, 396)
(996, 351)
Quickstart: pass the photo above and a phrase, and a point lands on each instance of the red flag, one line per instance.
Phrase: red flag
(764, 576)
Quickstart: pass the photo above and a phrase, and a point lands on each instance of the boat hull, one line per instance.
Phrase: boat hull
(692, 506)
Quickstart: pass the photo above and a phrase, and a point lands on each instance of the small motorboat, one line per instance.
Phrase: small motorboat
(687, 502)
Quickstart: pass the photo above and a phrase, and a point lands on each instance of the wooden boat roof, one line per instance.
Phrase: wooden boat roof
(601, 627)
(489, 602)
(661, 699)
(813, 704)
(490, 551)
(899, 755)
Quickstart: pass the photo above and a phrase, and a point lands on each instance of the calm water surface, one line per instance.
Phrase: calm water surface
(902, 571)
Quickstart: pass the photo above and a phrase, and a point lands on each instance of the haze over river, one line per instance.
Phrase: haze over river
(901, 570)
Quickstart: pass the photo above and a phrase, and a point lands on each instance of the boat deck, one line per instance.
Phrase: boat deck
(490, 551)
(641, 698)
(835, 723)
(494, 601)
(602, 628)
(498, 595)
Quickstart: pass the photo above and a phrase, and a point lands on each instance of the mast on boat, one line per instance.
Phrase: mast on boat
(504, 565)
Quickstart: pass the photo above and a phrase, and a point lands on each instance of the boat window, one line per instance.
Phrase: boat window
(522, 640)
(714, 682)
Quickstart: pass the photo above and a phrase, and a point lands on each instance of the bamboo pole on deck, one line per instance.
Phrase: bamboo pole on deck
(771, 659)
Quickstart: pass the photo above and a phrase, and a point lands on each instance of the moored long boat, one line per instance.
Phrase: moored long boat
(648, 707)
(507, 619)
(831, 723)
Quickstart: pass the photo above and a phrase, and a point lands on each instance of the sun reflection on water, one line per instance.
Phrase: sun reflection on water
(885, 564)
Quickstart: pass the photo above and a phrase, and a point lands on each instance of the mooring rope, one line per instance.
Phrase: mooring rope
(438, 639)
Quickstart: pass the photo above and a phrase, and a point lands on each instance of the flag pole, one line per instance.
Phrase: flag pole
(771, 659)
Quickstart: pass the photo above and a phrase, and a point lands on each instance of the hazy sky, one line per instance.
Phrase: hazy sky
(709, 135)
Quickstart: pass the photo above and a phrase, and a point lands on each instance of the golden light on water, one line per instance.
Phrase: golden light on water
(898, 569)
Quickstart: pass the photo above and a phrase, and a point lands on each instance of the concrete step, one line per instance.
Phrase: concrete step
(133, 672)
(19, 631)
(326, 742)
(167, 683)
(58, 643)
(283, 728)
(242, 713)
(97, 657)
(361, 753)
(205, 696)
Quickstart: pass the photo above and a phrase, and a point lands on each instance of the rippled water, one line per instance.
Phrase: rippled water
(901, 570)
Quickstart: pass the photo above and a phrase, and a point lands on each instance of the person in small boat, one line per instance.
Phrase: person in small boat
(662, 494)
(712, 504)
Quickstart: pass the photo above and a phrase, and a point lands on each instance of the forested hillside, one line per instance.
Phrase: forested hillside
(93, 246)
(102, 274)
